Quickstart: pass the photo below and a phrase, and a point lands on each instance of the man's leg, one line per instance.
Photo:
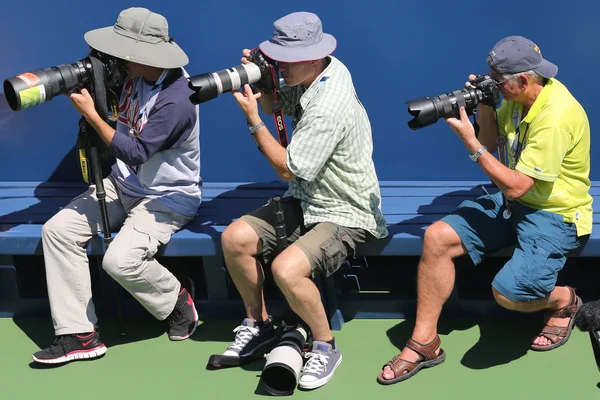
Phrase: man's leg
(245, 242)
(240, 245)
(558, 299)
(292, 272)
(130, 261)
(476, 228)
(65, 237)
(435, 282)
(527, 281)
(321, 250)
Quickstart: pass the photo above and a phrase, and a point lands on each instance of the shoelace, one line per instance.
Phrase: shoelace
(243, 334)
(316, 362)
(58, 341)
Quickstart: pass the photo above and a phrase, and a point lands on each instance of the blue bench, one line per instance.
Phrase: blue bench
(409, 207)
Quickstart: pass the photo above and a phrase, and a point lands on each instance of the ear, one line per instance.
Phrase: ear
(523, 81)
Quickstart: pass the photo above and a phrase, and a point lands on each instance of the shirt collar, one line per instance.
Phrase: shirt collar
(537, 105)
(314, 87)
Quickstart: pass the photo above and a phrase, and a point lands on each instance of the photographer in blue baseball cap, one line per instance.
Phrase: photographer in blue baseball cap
(543, 207)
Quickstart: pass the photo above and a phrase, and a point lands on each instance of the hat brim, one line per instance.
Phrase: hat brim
(160, 55)
(546, 69)
(288, 54)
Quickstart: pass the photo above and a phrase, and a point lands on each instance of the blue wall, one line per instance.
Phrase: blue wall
(395, 50)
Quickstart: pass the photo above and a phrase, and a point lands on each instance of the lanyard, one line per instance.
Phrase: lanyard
(515, 159)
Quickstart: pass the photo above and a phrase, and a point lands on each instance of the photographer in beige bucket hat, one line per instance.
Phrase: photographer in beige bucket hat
(153, 191)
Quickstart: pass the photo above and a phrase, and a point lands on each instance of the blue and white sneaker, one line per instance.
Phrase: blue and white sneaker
(251, 340)
(321, 364)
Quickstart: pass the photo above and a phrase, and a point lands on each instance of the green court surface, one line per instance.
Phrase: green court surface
(486, 359)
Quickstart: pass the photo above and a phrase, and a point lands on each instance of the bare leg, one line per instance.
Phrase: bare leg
(240, 244)
(435, 282)
(559, 298)
(291, 271)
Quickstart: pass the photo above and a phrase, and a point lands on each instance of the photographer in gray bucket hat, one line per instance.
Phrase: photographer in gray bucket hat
(153, 191)
(333, 201)
(542, 211)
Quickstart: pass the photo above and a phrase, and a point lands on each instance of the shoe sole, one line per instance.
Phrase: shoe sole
(74, 355)
(320, 382)
(180, 338)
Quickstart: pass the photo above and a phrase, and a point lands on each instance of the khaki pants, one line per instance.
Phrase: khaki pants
(326, 245)
(145, 224)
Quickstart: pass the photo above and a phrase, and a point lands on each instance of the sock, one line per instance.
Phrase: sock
(332, 343)
(264, 324)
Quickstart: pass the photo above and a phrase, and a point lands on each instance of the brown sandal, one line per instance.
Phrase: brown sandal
(404, 369)
(559, 335)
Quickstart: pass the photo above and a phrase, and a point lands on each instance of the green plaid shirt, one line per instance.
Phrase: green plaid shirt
(331, 153)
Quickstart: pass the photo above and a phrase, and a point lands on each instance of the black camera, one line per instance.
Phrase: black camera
(262, 72)
(428, 110)
(41, 85)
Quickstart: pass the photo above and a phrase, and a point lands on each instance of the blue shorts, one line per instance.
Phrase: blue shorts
(542, 239)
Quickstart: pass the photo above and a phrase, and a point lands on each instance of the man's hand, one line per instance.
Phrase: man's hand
(463, 127)
(246, 54)
(248, 103)
(469, 84)
(84, 104)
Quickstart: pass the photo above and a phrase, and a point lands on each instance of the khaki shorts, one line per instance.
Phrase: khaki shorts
(325, 244)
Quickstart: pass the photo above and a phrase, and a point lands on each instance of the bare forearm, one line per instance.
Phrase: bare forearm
(273, 151)
(488, 130)
(266, 103)
(512, 183)
(105, 131)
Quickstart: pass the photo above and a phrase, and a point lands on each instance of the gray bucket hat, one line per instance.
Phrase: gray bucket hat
(140, 36)
(516, 54)
(298, 37)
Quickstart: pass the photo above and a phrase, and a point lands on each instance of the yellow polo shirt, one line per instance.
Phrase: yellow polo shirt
(556, 152)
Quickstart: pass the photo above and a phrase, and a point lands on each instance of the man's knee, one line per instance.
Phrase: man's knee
(55, 226)
(119, 262)
(286, 272)
(513, 295)
(239, 237)
(441, 238)
(504, 301)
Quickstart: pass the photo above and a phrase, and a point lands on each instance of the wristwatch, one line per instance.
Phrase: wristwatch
(475, 156)
(256, 127)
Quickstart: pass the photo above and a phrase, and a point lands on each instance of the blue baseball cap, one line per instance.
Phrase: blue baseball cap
(516, 54)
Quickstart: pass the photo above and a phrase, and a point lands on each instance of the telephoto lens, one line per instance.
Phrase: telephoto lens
(427, 110)
(282, 369)
(41, 85)
(261, 70)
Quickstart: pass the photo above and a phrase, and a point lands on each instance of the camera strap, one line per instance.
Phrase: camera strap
(517, 145)
(278, 115)
(85, 139)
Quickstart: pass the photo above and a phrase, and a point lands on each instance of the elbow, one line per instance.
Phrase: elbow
(134, 161)
(286, 176)
(515, 193)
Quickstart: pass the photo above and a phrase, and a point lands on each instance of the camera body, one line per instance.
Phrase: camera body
(262, 71)
(42, 85)
(488, 90)
(427, 110)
